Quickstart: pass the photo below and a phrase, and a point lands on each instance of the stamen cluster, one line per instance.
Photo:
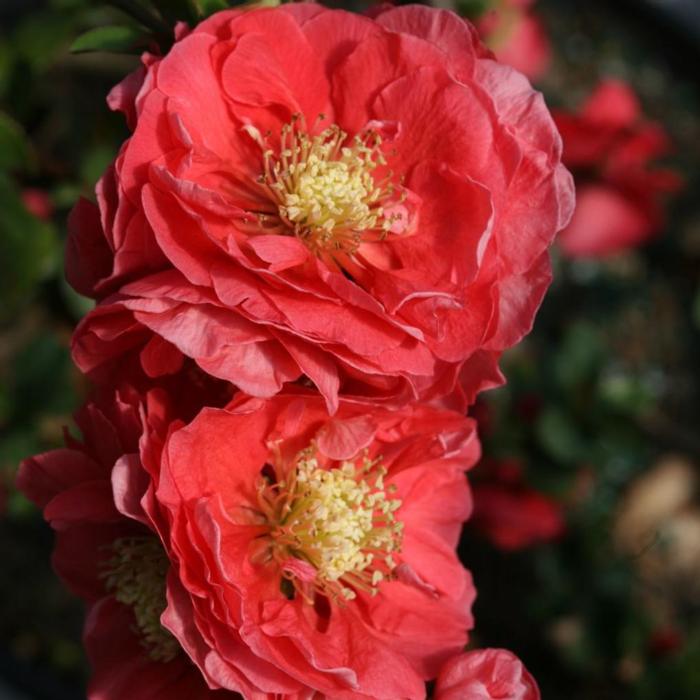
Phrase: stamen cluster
(324, 188)
(136, 574)
(340, 520)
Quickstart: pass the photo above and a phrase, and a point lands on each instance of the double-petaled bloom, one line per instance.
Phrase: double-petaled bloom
(307, 192)
(264, 548)
(112, 558)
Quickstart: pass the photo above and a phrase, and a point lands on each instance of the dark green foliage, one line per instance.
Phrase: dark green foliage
(114, 38)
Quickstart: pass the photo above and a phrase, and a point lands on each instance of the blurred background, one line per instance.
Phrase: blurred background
(585, 541)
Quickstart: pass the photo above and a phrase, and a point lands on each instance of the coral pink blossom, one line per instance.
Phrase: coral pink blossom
(81, 489)
(610, 147)
(517, 36)
(286, 552)
(485, 674)
(366, 202)
(318, 552)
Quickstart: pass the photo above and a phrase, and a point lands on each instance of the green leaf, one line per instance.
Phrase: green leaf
(14, 147)
(472, 9)
(257, 4)
(144, 14)
(209, 7)
(178, 10)
(115, 39)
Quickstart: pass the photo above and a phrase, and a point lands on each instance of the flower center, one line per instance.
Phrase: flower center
(333, 527)
(325, 190)
(136, 575)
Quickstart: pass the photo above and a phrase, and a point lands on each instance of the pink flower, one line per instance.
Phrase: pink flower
(317, 552)
(610, 147)
(485, 674)
(517, 36)
(286, 552)
(111, 559)
(367, 202)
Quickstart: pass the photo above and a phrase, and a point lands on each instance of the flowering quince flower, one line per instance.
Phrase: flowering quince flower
(318, 552)
(115, 562)
(610, 148)
(364, 201)
(485, 674)
(517, 36)
(284, 552)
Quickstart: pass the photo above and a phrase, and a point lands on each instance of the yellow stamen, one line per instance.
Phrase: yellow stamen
(136, 575)
(324, 188)
(339, 520)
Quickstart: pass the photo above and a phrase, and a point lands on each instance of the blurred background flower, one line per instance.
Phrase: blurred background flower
(513, 31)
(508, 512)
(610, 148)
